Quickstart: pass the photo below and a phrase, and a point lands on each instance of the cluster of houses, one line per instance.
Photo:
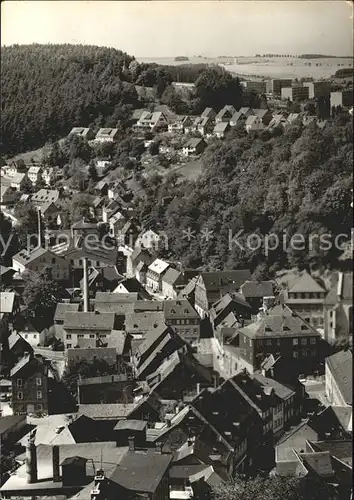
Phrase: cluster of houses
(208, 371)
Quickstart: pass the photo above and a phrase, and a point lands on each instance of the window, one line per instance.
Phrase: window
(39, 407)
(250, 342)
(68, 336)
(295, 341)
(20, 395)
(80, 336)
(35, 336)
(269, 342)
(103, 336)
(39, 394)
(278, 341)
(320, 321)
(304, 341)
(68, 346)
(313, 340)
(26, 335)
(92, 335)
(295, 354)
(38, 381)
(53, 260)
(19, 382)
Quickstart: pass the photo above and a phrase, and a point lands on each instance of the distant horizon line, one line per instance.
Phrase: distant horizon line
(194, 56)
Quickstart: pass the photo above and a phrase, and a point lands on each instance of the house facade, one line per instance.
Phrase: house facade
(183, 319)
(339, 378)
(39, 260)
(155, 273)
(30, 386)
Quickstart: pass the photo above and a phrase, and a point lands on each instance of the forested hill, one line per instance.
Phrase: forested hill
(297, 181)
(48, 89)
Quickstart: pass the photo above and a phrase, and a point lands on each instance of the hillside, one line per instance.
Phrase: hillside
(47, 89)
(283, 183)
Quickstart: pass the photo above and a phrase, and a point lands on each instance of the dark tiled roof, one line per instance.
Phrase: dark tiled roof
(171, 276)
(140, 322)
(341, 366)
(24, 257)
(217, 279)
(343, 450)
(7, 422)
(89, 320)
(113, 411)
(279, 321)
(141, 471)
(63, 308)
(257, 288)
(180, 308)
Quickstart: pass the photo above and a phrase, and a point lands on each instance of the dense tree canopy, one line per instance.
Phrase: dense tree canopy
(297, 181)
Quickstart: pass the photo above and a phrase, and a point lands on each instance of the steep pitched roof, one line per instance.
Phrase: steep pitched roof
(141, 471)
(257, 288)
(89, 321)
(279, 321)
(63, 308)
(306, 283)
(171, 276)
(180, 308)
(25, 258)
(341, 366)
(158, 266)
(216, 279)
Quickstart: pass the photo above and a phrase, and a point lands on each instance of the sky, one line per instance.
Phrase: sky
(186, 27)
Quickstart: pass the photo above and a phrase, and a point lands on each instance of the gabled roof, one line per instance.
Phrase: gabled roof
(281, 390)
(106, 132)
(158, 266)
(25, 258)
(141, 471)
(147, 321)
(221, 127)
(63, 308)
(319, 462)
(171, 276)
(180, 308)
(306, 283)
(21, 364)
(133, 425)
(341, 367)
(279, 321)
(89, 321)
(9, 421)
(106, 411)
(193, 142)
(342, 450)
(216, 279)
(251, 119)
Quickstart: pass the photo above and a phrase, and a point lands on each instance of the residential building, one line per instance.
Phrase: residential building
(172, 282)
(107, 135)
(204, 125)
(61, 310)
(19, 181)
(87, 325)
(44, 196)
(265, 115)
(225, 114)
(209, 113)
(183, 319)
(137, 257)
(211, 286)
(150, 239)
(282, 333)
(9, 195)
(40, 260)
(32, 335)
(275, 86)
(253, 123)
(30, 387)
(278, 120)
(194, 146)
(338, 308)
(306, 296)
(152, 121)
(35, 174)
(258, 86)
(339, 378)
(155, 273)
(343, 98)
(238, 119)
(85, 133)
(320, 88)
(105, 389)
(132, 286)
(50, 213)
(254, 293)
(295, 93)
(220, 129)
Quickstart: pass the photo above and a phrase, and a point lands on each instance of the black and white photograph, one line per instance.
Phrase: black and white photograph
(176, 250)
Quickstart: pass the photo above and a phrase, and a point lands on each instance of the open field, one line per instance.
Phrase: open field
(276, 67)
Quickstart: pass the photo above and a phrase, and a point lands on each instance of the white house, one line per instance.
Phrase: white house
(8, 195)
(34, 174)
(194, 146)
(155, 273)
(339, 378)
(107, 135)
(150, 239)
(254, 122)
